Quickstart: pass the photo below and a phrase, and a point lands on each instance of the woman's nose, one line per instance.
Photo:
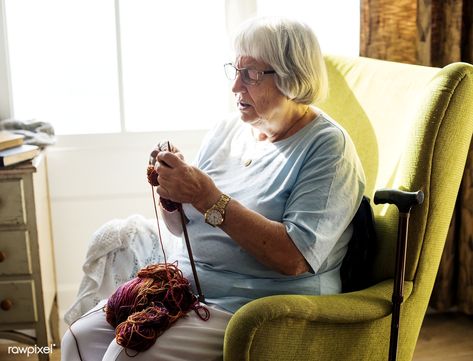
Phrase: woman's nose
(238, 85)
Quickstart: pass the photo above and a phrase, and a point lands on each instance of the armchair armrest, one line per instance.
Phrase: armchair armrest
(260, 316)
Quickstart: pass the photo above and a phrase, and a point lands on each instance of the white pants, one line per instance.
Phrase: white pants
(189, 339)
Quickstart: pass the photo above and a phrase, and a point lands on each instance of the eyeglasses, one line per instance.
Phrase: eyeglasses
(248, 76)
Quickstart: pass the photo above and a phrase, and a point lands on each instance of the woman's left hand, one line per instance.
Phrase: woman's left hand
(164, 146)
(183, 183)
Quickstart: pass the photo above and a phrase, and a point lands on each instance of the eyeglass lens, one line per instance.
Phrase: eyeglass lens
(248, 76)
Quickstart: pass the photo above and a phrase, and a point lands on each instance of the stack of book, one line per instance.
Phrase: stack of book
(12, 149)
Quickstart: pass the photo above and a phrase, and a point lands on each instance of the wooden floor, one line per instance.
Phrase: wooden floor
(444, 337)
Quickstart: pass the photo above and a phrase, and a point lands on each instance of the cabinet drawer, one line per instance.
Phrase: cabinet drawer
(15, 256)
(17, 302)
(12, 203)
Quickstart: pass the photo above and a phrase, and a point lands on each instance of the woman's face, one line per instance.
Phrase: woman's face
(261, 101)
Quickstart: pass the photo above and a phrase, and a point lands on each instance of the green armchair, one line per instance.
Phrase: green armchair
(412, 127)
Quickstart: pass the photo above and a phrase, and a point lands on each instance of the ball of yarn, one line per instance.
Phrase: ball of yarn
(141, 329)
(143, 308)
(122, 302)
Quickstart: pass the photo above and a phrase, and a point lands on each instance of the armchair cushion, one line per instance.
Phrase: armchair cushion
(280, 325)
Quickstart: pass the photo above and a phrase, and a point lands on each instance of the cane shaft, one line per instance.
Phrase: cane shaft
(398, 288)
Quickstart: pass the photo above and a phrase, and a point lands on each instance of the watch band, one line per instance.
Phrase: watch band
(222, 203)
(215, 215)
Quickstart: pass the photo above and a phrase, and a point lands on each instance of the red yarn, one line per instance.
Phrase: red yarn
(143, 308)
(122, 303)
(153, 180)
(152, 175)
(142, 328)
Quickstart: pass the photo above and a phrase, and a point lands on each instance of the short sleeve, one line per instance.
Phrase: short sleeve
(325, 197)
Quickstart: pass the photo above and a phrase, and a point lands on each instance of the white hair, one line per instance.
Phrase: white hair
(292, 50)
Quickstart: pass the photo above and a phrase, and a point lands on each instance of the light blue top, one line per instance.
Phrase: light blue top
(312, 182)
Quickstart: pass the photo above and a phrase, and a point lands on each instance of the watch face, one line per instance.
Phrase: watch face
(214, 217)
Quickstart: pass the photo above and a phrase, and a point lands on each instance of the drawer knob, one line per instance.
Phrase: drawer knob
(6, 304)
(2, 256)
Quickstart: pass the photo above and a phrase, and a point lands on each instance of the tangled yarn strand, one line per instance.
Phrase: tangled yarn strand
(157, 223)
(132, 335)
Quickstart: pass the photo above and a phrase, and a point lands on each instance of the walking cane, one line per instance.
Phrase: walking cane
(404, 201)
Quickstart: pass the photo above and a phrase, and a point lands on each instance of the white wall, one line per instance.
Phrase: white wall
(93, 179)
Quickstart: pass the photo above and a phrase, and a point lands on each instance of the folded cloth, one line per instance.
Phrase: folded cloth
(35, 132)
(118, 250)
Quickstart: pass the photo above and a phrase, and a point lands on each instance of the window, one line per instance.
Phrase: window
(63, 63)
(172, 61)
(108, 66)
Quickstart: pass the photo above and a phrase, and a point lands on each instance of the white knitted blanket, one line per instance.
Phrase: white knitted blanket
(117, 251)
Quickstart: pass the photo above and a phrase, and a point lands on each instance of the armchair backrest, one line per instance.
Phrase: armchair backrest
(412, 127)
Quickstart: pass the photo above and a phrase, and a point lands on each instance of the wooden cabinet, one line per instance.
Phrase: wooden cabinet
(27, 275)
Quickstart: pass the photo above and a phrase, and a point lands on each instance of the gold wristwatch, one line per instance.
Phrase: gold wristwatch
(215, 215)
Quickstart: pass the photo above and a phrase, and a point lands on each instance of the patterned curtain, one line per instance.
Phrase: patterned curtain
(433, 33)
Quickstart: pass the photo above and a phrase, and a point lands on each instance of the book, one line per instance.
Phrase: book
(9, 139)
(18, 154)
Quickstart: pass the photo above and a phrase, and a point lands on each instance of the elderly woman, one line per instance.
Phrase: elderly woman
(269, 201)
